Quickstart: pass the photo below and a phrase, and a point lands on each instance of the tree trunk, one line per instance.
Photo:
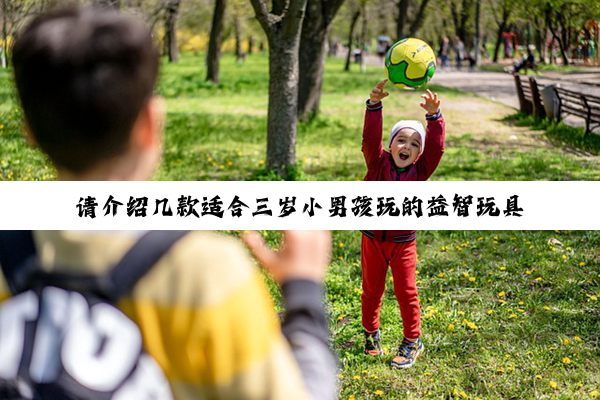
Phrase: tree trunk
(499, 41)
(250, 44)
(312, 65)
(171, 30)
(402, 18)
(350, 38)
(419, 18)
(501, 29)
(477, 31)
(282, 26)
(283, 102)
(313, 39)
(214, 43)
(4, 55)
(239, 55)
(555, 36)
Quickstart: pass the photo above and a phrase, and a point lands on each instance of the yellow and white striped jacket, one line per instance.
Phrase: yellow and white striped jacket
(204, 312)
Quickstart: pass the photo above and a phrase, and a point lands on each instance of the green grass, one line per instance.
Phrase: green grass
(218, 132)
(560, 133)
(501, 313)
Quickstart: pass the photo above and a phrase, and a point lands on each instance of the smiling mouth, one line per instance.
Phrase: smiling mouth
(403, 157)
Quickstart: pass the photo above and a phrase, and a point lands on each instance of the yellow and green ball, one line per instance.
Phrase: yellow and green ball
(410, 63)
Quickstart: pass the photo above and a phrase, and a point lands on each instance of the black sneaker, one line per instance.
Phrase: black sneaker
(372, 346)
(408, 352)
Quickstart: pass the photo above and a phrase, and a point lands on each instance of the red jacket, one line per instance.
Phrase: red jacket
(380, 164)
(391, 236)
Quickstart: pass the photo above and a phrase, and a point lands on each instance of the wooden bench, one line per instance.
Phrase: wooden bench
(530, 101)
(580, 105)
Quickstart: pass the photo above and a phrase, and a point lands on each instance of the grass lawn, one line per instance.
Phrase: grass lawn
(219, 132)
(505, 315)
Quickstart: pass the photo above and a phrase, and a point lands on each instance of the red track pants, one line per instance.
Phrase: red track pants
(402, 258)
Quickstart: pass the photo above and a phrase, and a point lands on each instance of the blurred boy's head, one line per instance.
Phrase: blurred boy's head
(85, 78)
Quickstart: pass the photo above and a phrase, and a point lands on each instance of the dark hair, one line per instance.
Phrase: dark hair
(83, 76)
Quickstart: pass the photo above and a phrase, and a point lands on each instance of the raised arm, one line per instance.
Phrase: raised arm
(434, 140)
(372, 147)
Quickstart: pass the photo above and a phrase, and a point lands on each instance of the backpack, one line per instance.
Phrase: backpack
(61, 336)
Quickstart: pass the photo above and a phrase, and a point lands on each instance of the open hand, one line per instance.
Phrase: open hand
(432, 103)
(377, 93)
(304, 255)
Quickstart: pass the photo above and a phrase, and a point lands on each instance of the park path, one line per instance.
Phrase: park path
(500, 86)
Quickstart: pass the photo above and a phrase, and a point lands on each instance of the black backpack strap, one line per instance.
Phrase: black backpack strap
(18, 259)
(17, 249)
(138, 261)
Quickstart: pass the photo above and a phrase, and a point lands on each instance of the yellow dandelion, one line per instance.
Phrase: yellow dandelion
(577, 339)
(521, 303)
(480, 238)
(566, 360)
(379, 392)
(530, 247)
(564, 256)
(501, 294)
(512, 316)
(538, 377)
(472, 326)
(340, 376)
(465, 274)
(566, 341)
(553, 384)
(528, 272)
(520, 310)
(364, 371)
(501, 301)
(594, 393)
(593, 298)
(539, 279)
(356, 378)
(472, 279)
(546, 308)
(461, 313)
(582, 264)
(464, 395)
(341, 245)
(351, 397)
(451, 327)
(427, 373)
(441, 275)
(502, 268)
(500, 370)
(391, 279)
(490, 311)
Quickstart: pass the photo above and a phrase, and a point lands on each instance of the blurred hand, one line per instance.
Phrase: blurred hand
(304, 255)
(377, 93)
(432, 103)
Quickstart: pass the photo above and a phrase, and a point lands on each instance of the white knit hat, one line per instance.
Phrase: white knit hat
(416, 125)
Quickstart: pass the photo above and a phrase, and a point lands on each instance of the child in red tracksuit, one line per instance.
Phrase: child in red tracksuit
(413, 156)
(414, 153)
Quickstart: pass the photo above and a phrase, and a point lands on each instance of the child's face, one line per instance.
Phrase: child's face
(405, 147)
